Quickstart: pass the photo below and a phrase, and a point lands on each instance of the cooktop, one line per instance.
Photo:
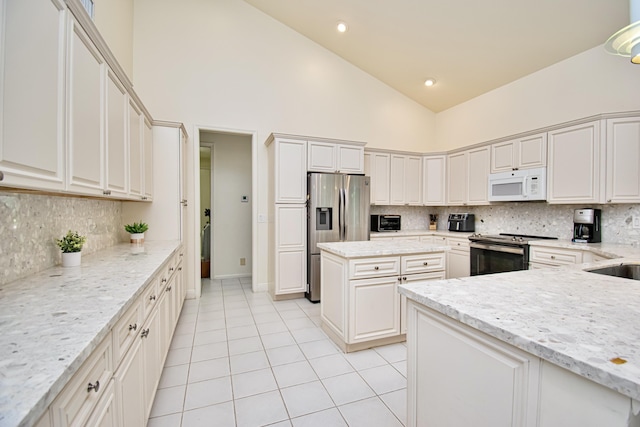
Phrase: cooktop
(507, 238)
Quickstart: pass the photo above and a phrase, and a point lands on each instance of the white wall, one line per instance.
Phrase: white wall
(590, 83)
(114, 19)
(231, 218)
(224, 64)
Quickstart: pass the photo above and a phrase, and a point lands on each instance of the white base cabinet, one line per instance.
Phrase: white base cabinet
(459, 376)
(458, 258)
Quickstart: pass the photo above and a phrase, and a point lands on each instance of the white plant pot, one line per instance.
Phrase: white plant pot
(136, 238)
(71, 259)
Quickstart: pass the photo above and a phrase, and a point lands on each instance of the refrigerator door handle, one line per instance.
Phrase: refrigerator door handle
(342, 209)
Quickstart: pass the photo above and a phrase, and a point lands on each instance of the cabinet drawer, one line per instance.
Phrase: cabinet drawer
(150, 297)
(458, 243)
(374, 267)
(126, 330)
(422, 263)
(75, 402)
(554, 256)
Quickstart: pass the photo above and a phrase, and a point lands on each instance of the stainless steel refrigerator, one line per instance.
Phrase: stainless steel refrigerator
(337, 211)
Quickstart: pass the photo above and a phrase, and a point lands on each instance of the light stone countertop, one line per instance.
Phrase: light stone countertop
(572, 318)
(373, 248)
(50, 322)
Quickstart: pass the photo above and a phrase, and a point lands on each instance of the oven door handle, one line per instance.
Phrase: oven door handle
(497, 248)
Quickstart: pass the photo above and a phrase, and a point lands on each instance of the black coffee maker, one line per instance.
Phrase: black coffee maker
(586, 225)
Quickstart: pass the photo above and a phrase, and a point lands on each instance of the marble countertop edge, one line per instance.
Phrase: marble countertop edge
(581, 367)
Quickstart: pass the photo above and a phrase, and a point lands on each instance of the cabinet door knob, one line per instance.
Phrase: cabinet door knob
(1, 176)
(376, 268)
(553, 257)
(133, 327)
(609, 201)
(425, 263)
(95, 387)
(179, 268)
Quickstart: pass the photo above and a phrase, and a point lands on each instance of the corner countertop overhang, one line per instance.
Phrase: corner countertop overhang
(565, 315)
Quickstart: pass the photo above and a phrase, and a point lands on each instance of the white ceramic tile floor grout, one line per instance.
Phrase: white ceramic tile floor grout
(238, 358)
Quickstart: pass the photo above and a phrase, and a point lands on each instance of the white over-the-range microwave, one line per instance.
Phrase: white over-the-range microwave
(518, 185)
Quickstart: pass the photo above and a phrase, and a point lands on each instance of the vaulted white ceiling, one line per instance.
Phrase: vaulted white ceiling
(469, 46)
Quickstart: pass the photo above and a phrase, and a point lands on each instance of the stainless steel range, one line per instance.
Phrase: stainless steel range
(500, 253)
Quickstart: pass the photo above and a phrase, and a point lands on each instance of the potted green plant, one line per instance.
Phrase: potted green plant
(136, 232)
(71, 246)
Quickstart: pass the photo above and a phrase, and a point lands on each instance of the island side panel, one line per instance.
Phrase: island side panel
(333, 293)
(459, 376)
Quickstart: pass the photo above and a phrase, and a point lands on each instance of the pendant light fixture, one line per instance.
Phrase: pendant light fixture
(626, 42)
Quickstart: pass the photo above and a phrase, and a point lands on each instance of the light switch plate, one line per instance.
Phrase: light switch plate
(636, 221)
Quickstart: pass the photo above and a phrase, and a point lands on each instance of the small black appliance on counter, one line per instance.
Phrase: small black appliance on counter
(385, 222)
(586, 225)
(461, 222)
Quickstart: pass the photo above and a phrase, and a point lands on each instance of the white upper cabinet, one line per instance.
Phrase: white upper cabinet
(331, 157)
(135, 151)
(32, 54)
(623, 160)
(322, 157)
(85, 109)
(574, 164)
(478, 176)
(116, 146)
(290, 170)
(350, 159)
(524, 153)
(377, 167)
(147, 159)
(406, 180)
(457, 178)
(434, 179)
(468, 177)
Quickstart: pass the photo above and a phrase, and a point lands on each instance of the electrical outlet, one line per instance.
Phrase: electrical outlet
(636, 221)
(243, 261)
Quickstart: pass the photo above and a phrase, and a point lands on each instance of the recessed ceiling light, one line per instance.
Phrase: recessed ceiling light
(342, 27)
(429, 82)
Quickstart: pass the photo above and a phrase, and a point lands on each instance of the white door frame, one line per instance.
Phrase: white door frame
(254, 196)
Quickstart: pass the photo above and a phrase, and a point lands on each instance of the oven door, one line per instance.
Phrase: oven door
(489, 258)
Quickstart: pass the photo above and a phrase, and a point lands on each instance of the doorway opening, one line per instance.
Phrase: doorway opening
(226, 193)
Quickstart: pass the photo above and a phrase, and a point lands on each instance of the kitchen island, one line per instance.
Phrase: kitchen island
(550, 347)
(361, 306)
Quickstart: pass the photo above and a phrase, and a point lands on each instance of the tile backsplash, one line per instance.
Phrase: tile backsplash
(536, 218)
(29, 225)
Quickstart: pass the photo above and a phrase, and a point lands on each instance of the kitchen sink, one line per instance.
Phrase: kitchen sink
(627, 271)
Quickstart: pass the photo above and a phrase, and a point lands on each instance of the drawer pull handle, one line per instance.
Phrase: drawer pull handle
(93, 387)
(404, 279)
(1, 176)
(152, 298)
(425, 263)
(376, 268)
(181, 254)
(399, 279)
(171, 269)
(133, 327)
(144, 333)
(164, 280)
(168, 288)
